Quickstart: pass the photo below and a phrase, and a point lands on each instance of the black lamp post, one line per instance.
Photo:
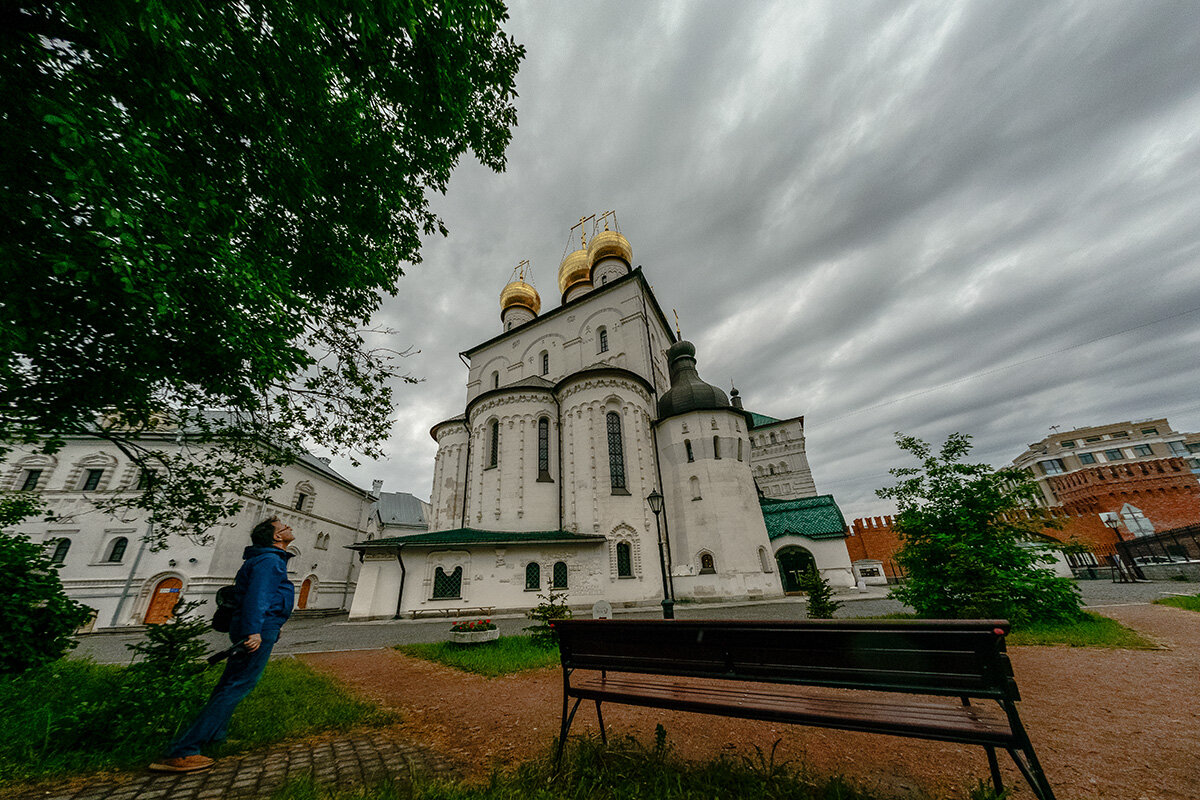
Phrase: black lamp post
(655, 501)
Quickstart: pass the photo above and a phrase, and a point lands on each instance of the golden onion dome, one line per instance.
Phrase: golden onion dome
(520, 293)
(575, 268)
(607, 244)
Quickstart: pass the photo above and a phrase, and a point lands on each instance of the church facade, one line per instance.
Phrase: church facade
(572, 419)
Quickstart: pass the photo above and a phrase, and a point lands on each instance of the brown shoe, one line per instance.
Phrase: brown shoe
(182, 764)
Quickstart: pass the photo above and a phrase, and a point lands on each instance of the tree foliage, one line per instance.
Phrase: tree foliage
(820, 603)
(204, 204)
(35, 614)
(969, 540)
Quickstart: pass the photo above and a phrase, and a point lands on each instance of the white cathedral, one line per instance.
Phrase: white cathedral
(573, 418)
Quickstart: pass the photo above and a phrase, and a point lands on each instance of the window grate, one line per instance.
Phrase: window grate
(616, 453)
(447, 586)
(624, 560)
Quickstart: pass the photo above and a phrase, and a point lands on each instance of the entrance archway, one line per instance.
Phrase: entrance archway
(793, 562)
(305, 588)
(162, 602)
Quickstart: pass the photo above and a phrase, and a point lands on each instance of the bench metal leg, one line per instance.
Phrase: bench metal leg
(566, 726)
(600, 717)
(994, 766)
(1032, 772)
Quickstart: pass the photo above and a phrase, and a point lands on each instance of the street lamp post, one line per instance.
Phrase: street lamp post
(655, 501)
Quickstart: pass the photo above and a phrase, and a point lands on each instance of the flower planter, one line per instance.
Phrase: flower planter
(474, 637)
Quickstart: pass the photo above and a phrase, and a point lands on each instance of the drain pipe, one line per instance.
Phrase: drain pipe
(558, 407)
(400, 597)
(116, 618)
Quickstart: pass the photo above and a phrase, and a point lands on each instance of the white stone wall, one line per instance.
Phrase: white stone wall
(333, 516)
(449, 476)
(831, 557)
(780, 462)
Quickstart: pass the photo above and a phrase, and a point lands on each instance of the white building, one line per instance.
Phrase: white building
(106, 565)
(572, 418)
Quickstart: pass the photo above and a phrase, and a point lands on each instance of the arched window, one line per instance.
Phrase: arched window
(772, 438)
(544, 449)
(494, 444)
(706, 564)
(533, 577)
(764, 559)
(60, 551)
(495, 380)
(91, 479)
(446, 586)
(32, 476)
(616, 454)
(687, 445)
(116, 551)
(545, 363)
(624, 560)
(716, 447)
(560, 575)
(739, 449)
(602, 335)
(694, 484)
(771, 468)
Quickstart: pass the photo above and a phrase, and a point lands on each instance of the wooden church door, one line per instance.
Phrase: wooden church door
(163, 601)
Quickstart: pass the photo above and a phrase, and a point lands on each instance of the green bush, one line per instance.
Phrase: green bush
(820, 602)
(969, 544)
(552, 608)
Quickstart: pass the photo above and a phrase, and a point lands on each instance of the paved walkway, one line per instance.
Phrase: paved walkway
(371, 757)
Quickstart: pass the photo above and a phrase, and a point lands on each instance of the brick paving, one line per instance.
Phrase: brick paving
(365, 758)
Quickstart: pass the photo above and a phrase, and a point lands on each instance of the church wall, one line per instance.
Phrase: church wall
(711, 509)
(508, 496)
(779, 460)
(449, 476)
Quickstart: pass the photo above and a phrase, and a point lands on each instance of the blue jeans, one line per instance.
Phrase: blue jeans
(241, 674)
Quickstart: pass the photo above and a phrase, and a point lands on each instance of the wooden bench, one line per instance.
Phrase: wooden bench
(755, 670)
(484, 611)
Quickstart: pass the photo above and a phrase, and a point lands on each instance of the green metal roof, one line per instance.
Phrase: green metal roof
(462, 536)
(758, 420)
(815, 517)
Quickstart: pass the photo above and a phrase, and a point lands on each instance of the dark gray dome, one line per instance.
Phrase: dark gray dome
(687, 392)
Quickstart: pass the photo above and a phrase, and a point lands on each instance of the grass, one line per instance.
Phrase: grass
(1191, 602)
(504, 656)
(69, 717)
(622, 771)
(1093, 630)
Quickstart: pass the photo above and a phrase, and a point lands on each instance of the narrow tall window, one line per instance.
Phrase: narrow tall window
(694, 483)
(495, 380)
(603, 335)
(494, 455)
(446, 586)
(116, 552)
(560, 575)
(716, 447)
(616, 453)
(739, 449)
(60, 551)
(687, 445)
(533, 577)
(92, 480)
(707, 567)
(543, 449)
(144, 478)
(31, 480)
(624, 560)
(545, 363)
(300, 498)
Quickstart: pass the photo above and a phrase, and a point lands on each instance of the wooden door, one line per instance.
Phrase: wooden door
(163, 601)
(304, 587)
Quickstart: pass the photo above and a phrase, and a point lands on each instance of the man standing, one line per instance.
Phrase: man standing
(265, 602)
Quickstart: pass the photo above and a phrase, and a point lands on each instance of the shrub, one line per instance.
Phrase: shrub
(820, 602)
(552, 608)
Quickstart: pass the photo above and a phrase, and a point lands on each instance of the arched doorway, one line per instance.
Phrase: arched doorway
(793, 562)
(305, 588)
(162, 602)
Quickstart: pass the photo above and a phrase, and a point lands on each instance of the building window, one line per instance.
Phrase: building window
(1113, 455)
(764, 560)
(771, 469)
(602, 335)
(1150, 431)
(1179, 448)
(1068, 443)
(116, 551)
(495, 380)
(694, 484)
(772, 438)
(1120, 435)
(739, 449)
(624, 560)
(1052, 467)
(543, 449)
(616, 453)
(545, 363)
(92, 480)
(716, 447)
(61, 546)
(300, 498)
(603, 279)
(144, 478)
(1142, 450)
(706, 564)
(1194, 447)
(533, 577)
(687, 445)
(446, 587)
(1194, 463)
(559, 575)
(494, 445)
(32, 476)
(1087, 458)
(1093, 438)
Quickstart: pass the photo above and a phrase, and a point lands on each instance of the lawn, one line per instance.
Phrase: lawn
(504, 656)
(1191, 602)
(70, 717)
(1093, 630)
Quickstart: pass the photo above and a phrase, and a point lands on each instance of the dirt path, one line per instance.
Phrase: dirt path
(1117, 724)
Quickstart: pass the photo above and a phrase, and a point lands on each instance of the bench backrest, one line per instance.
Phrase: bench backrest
(942, 657)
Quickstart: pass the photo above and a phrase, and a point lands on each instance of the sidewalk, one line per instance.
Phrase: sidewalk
(367, 758)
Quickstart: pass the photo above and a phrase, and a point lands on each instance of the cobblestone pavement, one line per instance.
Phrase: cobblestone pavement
(366, 758)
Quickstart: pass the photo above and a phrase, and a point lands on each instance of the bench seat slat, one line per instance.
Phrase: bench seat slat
(969, 724)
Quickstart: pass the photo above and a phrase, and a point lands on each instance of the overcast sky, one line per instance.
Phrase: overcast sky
(921, 217)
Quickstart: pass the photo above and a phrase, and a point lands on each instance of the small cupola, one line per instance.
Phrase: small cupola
(519, 301)
(688, 392)
(609, 255)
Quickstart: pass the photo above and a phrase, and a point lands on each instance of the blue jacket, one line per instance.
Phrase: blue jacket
(267, 594)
